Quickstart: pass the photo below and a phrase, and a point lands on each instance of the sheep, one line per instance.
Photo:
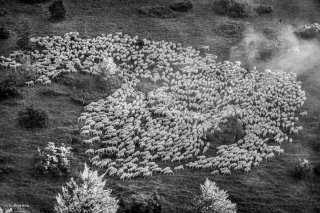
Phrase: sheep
(189, 125)
(30, 83)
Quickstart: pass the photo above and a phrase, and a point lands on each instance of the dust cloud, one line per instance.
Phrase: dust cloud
(283, 50)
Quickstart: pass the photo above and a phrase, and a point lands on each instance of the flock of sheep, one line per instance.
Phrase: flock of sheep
(138, 133)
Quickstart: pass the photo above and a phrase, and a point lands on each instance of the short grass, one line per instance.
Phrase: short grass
(268, 188)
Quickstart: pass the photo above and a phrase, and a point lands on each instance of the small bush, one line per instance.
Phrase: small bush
(34, 1)
(8, 89)
(53, 160)
(182, 6)
(261, 9)
(33, 118)
(139, 203)
(4, 33)
(232, 8)
(157, 11)
(303, 169)
(316, 169)
(57, 10)
(23, 42)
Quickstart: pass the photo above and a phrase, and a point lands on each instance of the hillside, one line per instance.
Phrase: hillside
(267, 188)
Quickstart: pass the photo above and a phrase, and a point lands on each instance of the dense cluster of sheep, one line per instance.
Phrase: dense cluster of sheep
(134, 130)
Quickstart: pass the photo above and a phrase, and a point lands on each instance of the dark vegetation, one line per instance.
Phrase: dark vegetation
(303, 169)
(23, 42)
(157, 11)
(266, 50)
(141, 204)
(57, 10)
(262, 9)
(230, 29)
(4, 33)
(232, 8)
(181, 6)
(310, 32)
(31, 117)
(34, 1)
(3, 11)
(9, 89)
(84, 89)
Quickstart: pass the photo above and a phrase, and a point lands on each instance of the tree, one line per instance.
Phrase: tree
(86, 197)
(213, 200)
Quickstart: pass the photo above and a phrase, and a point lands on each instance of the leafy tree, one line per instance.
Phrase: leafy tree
(213, 200)
(54, 160)
(87, 196)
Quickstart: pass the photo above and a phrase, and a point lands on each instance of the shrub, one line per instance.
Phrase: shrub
(33, 118)
(182, 6)
(303, 169)
(309, 31)
(316, 169)
(4, 33)
(141, 204)
(23, 42)
(232, 8)
(8, 89)
(34, 1)
(154, 203)
(261, 9)
(88, 195)
(157, 11)
(53, 160)
(57, 10)
(213, 199)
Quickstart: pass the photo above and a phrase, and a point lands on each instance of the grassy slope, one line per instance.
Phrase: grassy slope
(269, 188)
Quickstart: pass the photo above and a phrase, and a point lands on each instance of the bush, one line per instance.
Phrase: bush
(23, 42)
(57, 10)
(316, 169)
(141, 204)
(303, 169)
(3, 11)
(53, 160)
(213, 199)
(33, 118)
(182, 6)
(232, 8)
(157, 11)
(309, 31)
(88, 195)
(261, 9)
(34, 1)
(8, 89)
(4, 33)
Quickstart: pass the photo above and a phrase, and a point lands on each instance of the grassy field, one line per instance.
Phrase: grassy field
(268, 188)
